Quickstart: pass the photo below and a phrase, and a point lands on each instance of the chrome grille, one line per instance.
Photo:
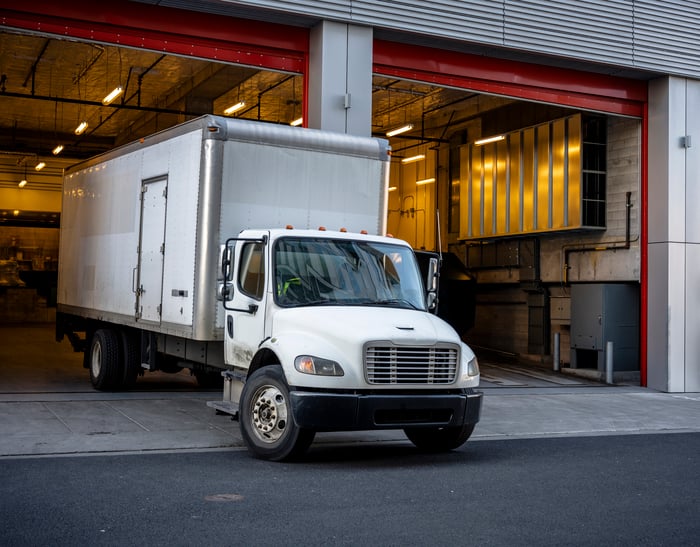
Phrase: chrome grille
(388, 364)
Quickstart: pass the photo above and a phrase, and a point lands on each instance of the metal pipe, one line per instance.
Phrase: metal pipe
(557, 355)
(609, 363)
(611, 246)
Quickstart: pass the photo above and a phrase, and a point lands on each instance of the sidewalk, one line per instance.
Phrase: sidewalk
(89, 423)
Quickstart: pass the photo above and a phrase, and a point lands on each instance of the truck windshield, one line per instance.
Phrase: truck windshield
(319, 271)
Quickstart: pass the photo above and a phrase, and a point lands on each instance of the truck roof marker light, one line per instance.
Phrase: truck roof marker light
(343, 230)
(389, 235)
(363, 232)
(321, 228)
(289, 227)
(213, 128)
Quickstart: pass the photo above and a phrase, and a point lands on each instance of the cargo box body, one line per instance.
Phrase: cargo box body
(143, 224)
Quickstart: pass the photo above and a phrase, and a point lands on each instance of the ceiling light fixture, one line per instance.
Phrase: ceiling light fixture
(39, 166)
(22, 183)
(297, 122)
(412, 159)
(56, 151)
(425, 181)
(112, 95)
(235, 108)
(392, 188)
(487, 140)
(399, 130)
(81, 128)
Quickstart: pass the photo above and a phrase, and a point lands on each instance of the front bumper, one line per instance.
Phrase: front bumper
(357, 412)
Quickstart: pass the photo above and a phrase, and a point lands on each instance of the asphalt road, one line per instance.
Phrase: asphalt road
(609, 490)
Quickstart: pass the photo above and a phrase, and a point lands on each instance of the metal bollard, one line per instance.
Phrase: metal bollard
(609, 363)
(557, 355)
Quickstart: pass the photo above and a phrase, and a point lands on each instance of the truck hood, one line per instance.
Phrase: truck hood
(364, 323)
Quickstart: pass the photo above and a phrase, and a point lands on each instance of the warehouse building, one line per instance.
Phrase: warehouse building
(546, 148)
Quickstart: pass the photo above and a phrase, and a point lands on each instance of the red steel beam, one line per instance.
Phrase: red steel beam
(181, 32)
(577, 89)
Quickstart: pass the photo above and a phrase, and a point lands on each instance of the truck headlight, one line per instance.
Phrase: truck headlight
(473, 367)
(308, 364)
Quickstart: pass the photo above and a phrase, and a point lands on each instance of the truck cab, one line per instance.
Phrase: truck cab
(332, 331)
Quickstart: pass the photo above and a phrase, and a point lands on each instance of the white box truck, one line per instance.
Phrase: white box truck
(177, 251)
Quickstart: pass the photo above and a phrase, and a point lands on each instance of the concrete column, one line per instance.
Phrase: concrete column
(673, 341)
(340, 78)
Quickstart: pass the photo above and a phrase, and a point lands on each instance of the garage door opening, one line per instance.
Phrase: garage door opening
(554, 201)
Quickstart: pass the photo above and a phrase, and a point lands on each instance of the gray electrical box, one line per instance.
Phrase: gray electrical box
(601, 313)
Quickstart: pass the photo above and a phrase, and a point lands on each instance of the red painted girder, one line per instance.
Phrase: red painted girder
(585, 90)
(132, 24)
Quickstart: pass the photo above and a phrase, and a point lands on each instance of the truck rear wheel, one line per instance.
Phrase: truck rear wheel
(131, 354)
(439, 439)
(267, 425)
(106, 372)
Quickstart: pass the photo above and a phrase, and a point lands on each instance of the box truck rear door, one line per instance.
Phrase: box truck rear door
(151, 250)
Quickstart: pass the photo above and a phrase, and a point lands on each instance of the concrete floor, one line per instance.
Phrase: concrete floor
(48, 406)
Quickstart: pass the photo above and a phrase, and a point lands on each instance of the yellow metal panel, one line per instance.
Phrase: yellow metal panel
(559, 181)
(574, 170)
(528, 167)
(515, 183)
(502, 188)
(543, 180)
(487, 216)
(530, 182)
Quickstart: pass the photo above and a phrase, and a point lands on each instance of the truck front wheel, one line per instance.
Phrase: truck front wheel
(439, 439)
(106, 373)
(267, 425)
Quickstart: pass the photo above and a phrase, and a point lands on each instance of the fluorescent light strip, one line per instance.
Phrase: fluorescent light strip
(399, 130)
(112, 95)
(56, 151)
(487, 140)
(81, 128)
(39, 166)
(425, 181)
(235, 108)
(419, 157)
(297, 122)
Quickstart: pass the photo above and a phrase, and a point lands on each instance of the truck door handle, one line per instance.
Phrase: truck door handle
(133, 280)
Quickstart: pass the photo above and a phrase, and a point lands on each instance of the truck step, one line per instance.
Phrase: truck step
(224, 407)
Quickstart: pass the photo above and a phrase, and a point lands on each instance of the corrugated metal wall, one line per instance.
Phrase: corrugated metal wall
(654, 35)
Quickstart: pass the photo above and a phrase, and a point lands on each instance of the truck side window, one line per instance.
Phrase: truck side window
(251, 276)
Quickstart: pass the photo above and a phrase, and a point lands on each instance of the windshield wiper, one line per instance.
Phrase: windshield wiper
(394, 301)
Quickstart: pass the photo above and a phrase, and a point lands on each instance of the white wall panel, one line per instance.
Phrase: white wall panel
(472, 20)
(659, 36)
(666, 36)
(692, 161)
(599, 30)
(692, 319)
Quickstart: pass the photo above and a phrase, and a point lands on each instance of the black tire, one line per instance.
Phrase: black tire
(131, 356)
(439, 439)
(106, 366)
(265, 417)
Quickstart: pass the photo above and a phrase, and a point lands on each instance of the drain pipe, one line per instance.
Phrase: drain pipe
(612, 246)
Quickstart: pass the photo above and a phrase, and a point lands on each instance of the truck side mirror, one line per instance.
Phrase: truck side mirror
(224, 290)
(225, 262)
(432, 283)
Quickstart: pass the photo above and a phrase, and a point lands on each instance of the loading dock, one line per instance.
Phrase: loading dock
(518, 277)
